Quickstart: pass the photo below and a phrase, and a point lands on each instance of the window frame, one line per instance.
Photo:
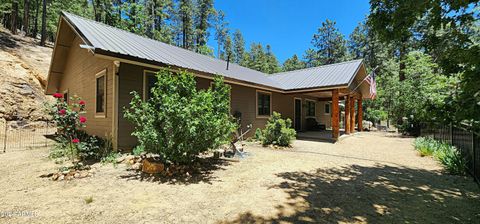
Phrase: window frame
(101, 74)
(66, 100)
(256, 103)
(146, 73)
(308, 109)
(329, 108)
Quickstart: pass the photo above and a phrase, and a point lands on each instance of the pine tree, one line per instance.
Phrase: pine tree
(227, 52)
(221, 31)
(311, 58)
(329, 44)
(202, 23)
(357, 43)
(292, 64)
(238, 47)
(271, 61)
(184, 21)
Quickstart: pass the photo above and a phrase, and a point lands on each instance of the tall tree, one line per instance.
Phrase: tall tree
(221, 31)
(357, 42)
(293, 63)
(205, 10)
(185, 21)
(44, 24)
(14, 16)
(227, 52)
(271, 60)
(26, 16)
(329, 44)
(35, 24)
(238, 47)
(311, 58)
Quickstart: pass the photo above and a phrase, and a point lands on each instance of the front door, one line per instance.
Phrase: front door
(298, 115)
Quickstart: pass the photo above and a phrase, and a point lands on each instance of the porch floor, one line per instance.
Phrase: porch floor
(322, 136)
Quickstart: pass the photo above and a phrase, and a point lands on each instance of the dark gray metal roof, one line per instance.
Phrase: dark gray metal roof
(117, 41)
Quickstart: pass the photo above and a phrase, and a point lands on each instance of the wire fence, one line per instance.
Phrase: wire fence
(22, 135)
(462, 137)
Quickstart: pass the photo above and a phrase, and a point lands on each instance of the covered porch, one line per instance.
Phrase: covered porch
(346, 107)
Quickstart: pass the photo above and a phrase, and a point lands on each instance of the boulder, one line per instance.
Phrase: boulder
(152, 167)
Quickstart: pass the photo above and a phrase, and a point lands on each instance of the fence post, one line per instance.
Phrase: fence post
(451, 133)
(5, 137)
(474, 155)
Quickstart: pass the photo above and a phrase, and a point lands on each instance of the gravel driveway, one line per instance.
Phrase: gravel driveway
(366, 178)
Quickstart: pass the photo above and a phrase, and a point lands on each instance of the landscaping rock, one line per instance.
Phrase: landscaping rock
(137, 166)
(152, 167)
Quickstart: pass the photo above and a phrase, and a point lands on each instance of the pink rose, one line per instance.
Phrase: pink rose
(82, 102)
(62, 112)
(58, 95)
(83, 119)
(75, 140)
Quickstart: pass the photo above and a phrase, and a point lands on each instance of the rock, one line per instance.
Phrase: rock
(55, 176)
(120, 159)
(137, 166)
(152, 167)
(61, 177)
(76, 175)
(83, 174)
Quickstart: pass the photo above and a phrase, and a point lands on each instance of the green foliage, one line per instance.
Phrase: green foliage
(329, 43)
(190, 121)
(447, 155)
(293, 63)
(88, 200)
(278, 131)
(111, 158)
(258, 134)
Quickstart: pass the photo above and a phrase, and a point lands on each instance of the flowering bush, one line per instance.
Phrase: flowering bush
(72, 141)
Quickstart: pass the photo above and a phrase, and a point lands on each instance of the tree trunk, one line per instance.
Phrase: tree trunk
(13, 18)
(44, 25)
(403, 51)
(26, 13)
(35, 26)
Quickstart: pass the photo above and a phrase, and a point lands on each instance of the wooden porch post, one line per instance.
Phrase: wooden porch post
(360, 113)
(352, 114)
(335, 115)
(347, 114)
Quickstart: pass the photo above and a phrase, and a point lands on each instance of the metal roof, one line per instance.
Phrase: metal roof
(323, 76)
(110, 39)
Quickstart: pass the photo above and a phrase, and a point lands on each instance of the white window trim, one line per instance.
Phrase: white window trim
(256, 103)
(329, 108)
(104, 113)
(145, 73)
(314, 107)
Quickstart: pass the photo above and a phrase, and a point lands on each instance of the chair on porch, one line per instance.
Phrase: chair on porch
(313, 125)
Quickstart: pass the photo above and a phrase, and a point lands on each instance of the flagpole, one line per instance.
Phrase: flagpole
(364, 79)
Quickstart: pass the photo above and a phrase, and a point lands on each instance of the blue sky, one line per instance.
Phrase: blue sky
(288, 25)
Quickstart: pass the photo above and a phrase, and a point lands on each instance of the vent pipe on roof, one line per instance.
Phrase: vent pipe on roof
(228, 60)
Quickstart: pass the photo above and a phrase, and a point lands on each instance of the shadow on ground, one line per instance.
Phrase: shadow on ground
(203, 173)
(379, 194)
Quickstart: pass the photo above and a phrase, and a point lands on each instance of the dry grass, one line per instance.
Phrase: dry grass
(365, 178)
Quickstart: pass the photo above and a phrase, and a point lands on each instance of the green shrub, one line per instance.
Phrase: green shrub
(449, 156)
(258, 134)
(424, 146)
(451, 159)
(178, 121)
(278, 131)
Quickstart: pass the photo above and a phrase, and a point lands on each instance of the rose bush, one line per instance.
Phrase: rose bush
(73, 142)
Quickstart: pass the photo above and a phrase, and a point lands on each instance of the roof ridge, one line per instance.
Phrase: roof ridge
(310, 68)
(160, 42)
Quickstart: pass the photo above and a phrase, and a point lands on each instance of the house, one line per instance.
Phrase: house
(103, 64)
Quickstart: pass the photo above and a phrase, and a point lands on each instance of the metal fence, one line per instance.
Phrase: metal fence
(20, 135)
(462, 137)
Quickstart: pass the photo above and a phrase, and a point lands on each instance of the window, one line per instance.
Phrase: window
(65, 96)
(310, 108)
(263, 104)
(327, 108)
(100, 95)
(150, 79)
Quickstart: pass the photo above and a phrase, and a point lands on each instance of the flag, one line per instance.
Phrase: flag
(373, 85)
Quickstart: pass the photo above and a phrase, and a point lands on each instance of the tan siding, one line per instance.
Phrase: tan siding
(79, 79)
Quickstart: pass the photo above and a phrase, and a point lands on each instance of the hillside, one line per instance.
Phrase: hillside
(23, 72)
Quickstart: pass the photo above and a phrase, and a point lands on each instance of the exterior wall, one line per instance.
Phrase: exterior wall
(322, 117)
(243, 100)
(79, 79)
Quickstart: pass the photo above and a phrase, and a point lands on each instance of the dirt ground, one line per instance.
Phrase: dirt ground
(366, 178)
